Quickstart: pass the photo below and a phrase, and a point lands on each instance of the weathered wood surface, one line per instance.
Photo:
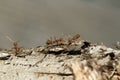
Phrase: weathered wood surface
(51, 67)
(54, 62)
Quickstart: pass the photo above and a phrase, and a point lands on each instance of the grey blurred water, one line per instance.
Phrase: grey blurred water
(32, 22)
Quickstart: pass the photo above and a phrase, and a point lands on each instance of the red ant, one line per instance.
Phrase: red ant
(49, 42)
(58, 40)
(73, 38)
(15, 45)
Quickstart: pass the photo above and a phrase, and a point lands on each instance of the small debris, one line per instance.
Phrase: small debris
(7, 62)
(24, 52)
(57, 49)
(4, 55)
(117, 45)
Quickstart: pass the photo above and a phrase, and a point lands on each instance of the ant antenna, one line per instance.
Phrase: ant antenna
(10, 39)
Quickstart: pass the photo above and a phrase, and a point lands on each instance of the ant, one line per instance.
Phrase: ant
(15, 45)
(57, 41)
(48, 42)
(72, 39)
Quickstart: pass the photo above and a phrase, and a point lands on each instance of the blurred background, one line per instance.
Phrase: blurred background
(32, 22)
